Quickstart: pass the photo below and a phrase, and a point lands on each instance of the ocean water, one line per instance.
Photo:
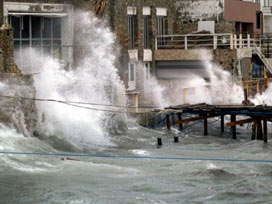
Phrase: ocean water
(62, 129)
(49, 179)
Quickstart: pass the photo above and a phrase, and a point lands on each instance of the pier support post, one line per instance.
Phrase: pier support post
(253, 136)
(159, 142)
(259, 129)
(180, 118)
(173, 116)
(168, 124)
(205, 124)
(222, 123)
(233, 128)
(265, 130)
(176, 139)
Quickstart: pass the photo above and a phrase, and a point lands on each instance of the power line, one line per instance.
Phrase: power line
(74, 103)
(136, 157)
(70, 102)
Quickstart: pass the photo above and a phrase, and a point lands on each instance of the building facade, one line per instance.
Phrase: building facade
(158, 38)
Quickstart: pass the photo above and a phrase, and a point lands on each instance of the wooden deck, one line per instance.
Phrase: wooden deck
(257, 115)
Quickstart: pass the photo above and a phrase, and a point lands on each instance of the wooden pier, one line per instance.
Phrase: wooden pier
(257, 115)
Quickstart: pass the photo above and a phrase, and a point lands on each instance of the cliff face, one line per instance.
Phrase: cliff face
(14, 111)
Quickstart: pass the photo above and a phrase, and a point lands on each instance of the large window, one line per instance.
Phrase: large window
(131, 31)
(132, 26)
(161, 25)
(146, 32)
(41, 33)
(147, 19)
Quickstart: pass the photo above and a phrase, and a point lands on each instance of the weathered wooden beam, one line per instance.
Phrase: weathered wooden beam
(240, 122)
(222, 123)
(168, 124)
(259, 129)
(265, 130)
(180, 118)
(205, 124)
(194, 119)
(253, 136)
(233, 128)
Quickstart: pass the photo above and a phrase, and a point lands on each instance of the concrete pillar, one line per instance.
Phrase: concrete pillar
(214, 42)
(235, 41)
(240, 41)
(248, 40)
(231, 42)
(185, 43)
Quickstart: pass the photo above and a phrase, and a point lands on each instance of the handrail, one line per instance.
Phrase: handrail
(195, 34)
(214, 41)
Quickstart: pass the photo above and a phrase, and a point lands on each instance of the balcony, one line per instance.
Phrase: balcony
(204, 41)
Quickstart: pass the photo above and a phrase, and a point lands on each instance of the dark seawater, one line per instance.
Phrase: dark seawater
(41, 179)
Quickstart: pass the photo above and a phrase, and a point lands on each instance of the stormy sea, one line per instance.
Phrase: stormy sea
(96, 153)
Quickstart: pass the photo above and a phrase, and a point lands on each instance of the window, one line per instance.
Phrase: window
(131, 32)
(131, 12)
(42, 33)
(146, 70)
(146, 32)
(258, 71)
(146, 14)
(161, 25)
(258, 20)
(131, 72)
(161, 29)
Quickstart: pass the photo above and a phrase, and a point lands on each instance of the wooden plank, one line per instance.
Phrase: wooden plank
(194, 119)
(240, 122)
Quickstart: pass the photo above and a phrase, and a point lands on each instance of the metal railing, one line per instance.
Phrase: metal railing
(256, 86)
(267, 9)
(207, 41)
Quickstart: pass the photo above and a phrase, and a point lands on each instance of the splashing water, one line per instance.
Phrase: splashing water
(94, 80)
(214, 88)
(264, 98)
